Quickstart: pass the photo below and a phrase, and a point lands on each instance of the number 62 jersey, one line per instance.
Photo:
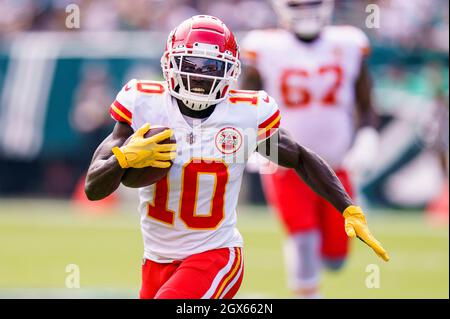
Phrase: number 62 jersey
(193, 209)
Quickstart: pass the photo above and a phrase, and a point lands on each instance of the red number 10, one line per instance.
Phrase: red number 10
(189, 196)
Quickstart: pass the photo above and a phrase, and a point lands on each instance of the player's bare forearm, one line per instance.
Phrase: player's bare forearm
(366, 115)
(321, 178)
(104, 173)
(313, 170)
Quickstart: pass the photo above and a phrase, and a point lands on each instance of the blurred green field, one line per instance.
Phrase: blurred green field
(38, 239)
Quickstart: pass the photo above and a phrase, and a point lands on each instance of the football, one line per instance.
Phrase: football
(140, 177)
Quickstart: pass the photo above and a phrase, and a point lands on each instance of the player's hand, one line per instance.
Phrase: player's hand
(142, 152)
(356, 226)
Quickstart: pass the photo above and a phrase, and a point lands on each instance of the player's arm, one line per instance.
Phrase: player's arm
(312, 169)
(105, 173)
(251, 45)
(113, 157)
(366, 115)
(251, 78)
(362, 155)
(321, 178)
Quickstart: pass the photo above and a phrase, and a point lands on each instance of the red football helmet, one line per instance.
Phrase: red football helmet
(200, 62)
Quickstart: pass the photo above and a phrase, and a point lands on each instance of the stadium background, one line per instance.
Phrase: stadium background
(55, 88)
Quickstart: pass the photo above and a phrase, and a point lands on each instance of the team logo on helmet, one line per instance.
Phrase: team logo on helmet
(228, 140)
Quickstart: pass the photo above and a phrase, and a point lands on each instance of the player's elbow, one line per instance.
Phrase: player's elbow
(92, 191)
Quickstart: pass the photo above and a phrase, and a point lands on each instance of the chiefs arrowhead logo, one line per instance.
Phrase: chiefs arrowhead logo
(127, 87)
(228, 140)
(266, 99)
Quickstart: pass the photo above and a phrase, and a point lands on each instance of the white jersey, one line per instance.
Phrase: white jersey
(313, 83)
(193, 209)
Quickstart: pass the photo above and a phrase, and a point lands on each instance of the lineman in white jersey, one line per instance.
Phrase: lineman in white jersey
(192, 248)
(318, 74)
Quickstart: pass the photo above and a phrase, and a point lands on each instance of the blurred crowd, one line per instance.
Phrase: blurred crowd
(409, 64)
(418, 23)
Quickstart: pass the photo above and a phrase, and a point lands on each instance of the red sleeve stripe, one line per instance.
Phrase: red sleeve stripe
(365, 51)
(269, 120)
(249, 55)
(274, 124)
(266, 133)
(118, 115)
(123, 109)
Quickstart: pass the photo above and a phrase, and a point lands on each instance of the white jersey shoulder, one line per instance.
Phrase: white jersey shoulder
(259, 108)
(259, 42)
(347, 36)
(257, 39)
(138, 97)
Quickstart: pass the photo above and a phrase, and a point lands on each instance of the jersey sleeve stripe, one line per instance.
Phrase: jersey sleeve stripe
(365, 51)
(274, 124)
(123, 109)
(249, 55)
(269, 131)
(269, 120)
(118, 115)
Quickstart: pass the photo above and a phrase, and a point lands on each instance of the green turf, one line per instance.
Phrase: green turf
(40, 238)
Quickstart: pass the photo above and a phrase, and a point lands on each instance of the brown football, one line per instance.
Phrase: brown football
(140, 177)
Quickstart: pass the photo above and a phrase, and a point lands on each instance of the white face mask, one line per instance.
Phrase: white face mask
(304, 17)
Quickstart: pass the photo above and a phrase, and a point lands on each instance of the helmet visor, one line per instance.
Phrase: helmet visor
(201, 66)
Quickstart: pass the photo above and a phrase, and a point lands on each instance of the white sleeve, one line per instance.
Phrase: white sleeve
(122, 108)
(269, 117)
(251, 47)
(360, 40)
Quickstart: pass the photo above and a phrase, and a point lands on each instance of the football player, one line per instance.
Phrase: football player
(192, 248)
(318, 74)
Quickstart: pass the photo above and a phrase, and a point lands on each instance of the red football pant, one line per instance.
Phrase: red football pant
(301, 209)
(213, 274)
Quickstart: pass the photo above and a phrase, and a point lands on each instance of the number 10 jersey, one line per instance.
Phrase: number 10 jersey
(193, 209)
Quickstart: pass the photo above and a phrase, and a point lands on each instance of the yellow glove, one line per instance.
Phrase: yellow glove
(143, 152)
(356, 226)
